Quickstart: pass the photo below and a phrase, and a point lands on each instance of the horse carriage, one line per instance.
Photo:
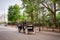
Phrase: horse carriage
(27, 28)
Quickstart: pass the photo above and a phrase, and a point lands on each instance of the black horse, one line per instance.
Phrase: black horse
(21, 26)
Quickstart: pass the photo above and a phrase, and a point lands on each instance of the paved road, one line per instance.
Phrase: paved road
(8, 33)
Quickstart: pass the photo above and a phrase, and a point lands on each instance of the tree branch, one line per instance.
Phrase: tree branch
(47, 7)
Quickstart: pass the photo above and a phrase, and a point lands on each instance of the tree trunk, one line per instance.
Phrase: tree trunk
(32, 17)
(39, 19)
(54, 16)
(39, 24)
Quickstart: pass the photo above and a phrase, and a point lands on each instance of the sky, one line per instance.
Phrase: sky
(4, 5)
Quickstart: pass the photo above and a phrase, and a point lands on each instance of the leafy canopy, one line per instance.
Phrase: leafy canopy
(13, 13)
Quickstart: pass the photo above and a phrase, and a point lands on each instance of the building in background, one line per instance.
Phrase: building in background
(3, 18)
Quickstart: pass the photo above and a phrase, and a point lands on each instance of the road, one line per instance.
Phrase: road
(8, 33)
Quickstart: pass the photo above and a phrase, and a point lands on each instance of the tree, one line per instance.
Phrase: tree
(29, 9)
(50, 8)
(13, 13)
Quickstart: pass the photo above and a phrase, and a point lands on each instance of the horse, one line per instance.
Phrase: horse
(21, 26)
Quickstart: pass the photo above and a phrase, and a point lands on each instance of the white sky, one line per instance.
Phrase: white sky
(4, 4)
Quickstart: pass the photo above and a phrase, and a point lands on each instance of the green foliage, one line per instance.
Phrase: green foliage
(58, 15)
(23, 17)
(36, 7)
(31, 8)
(55, 0)
(58, 18)
(13, 13)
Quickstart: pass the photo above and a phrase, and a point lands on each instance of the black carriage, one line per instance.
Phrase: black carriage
(27, 28)
(30, 28)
